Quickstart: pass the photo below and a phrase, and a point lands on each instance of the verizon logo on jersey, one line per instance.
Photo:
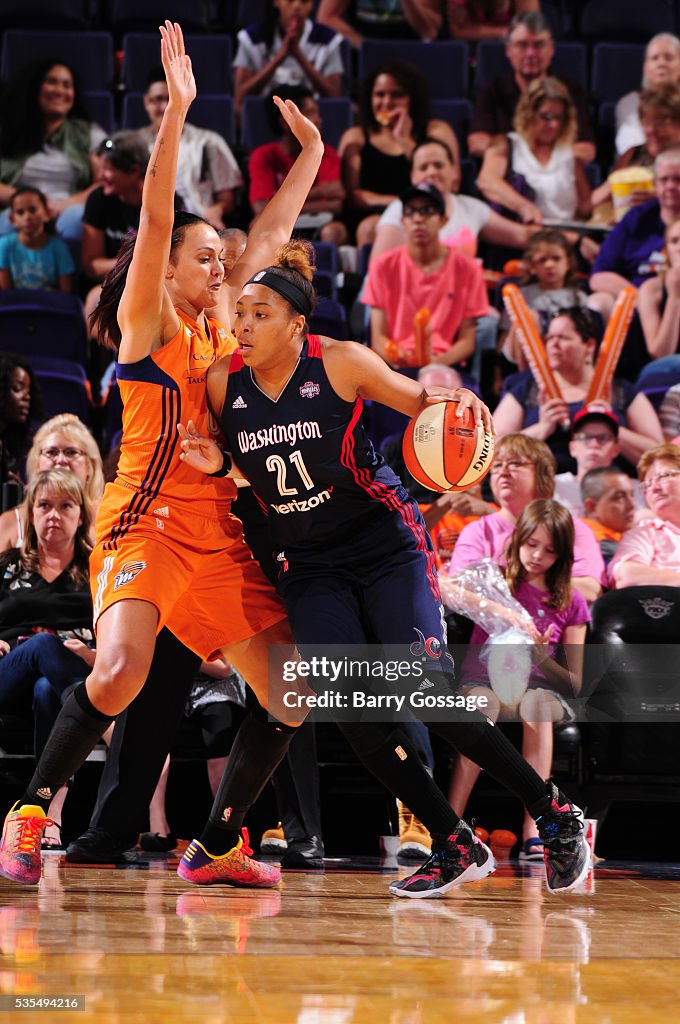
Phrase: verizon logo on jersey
(303, 504)
(290, 433)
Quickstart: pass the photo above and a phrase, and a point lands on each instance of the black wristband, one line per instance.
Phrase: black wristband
(226, 465)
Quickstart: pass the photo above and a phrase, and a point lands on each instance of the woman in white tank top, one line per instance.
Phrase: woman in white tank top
(532, 172)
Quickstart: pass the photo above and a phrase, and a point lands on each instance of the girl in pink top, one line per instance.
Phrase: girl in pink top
(540, 558)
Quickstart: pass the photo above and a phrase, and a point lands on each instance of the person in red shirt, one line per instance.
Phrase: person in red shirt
(424, 274)
(269, 165)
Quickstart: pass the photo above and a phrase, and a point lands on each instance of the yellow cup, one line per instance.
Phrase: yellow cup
(624, 183)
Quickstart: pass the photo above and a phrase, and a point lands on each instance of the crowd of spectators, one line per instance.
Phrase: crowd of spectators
(425, 219)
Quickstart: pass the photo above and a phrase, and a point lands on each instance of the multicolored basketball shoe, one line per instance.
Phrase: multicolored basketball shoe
(236, 867)
(560, 826)
(20, 845)
(455, 860)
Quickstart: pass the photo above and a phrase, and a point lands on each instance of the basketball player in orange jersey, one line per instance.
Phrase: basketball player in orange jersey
(168, 553)
(357, 564)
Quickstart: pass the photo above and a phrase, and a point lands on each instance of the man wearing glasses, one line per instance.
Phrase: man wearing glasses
(530, 49)
(594, 444)
(649, 553)
(424, 273)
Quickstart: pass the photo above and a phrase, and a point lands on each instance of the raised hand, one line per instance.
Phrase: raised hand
(177, 65)
(199, 452)
(402, 125)
(539, 651)
(302, 128)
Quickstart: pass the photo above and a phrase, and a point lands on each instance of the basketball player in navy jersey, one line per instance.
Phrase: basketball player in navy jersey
(356, 560)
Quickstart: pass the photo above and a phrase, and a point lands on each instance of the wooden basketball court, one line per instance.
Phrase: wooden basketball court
(138, 944)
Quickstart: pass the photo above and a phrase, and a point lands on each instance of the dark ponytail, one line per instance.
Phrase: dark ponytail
(104, 319)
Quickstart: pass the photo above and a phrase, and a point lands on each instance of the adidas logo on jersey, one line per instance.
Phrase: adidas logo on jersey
(239, 404)
(165, 512)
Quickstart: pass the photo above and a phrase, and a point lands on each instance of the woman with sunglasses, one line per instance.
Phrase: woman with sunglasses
(531, 173)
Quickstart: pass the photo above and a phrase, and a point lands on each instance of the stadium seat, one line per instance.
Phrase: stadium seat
(336, 115)
(657, 377)
(606, 117)
(64, 387)
(66, 14)
(131, 15)
(90, 54)
(213, 112)
(211, 59)
(457, 113)
(616, 70)
(626, 19)
(324, 284)
(364, 257)
(444, 64)
(247, 12)
(570, 61)
(632, 662)
(41, 323)
(100, 109)
(326, 256)
(329, 318)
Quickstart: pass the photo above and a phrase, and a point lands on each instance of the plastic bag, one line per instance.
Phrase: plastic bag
(481, 593)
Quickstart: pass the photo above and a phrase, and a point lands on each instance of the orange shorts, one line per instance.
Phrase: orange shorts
(198, 572)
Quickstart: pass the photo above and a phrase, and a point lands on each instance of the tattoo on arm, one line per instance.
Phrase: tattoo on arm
(152, 170)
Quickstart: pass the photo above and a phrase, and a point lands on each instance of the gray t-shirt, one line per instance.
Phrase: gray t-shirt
(51, 171)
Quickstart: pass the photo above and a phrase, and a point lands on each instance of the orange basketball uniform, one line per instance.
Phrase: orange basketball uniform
(164, 530)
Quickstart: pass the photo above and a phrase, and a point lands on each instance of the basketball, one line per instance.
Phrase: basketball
(445, 452)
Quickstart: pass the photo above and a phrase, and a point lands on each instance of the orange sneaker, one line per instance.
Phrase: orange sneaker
(20, 845)
(236, 867)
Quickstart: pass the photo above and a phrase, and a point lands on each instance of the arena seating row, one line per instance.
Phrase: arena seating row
(582, 19)
(615, 68)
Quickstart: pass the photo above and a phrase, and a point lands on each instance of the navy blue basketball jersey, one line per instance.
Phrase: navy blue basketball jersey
(307, 457)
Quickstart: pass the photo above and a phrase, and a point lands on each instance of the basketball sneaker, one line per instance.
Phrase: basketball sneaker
(273, 841)
(455, 860)
(236, 867)
(560, 826)
(21, 842)
(415, 841)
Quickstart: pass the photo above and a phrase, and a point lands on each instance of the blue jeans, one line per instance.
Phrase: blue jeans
(35, 675)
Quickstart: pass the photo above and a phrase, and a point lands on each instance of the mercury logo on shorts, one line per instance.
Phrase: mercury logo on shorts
(127, 573)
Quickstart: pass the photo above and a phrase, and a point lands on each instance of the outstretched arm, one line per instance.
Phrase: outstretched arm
(274, 225)
(141, 315)
(355, 370)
